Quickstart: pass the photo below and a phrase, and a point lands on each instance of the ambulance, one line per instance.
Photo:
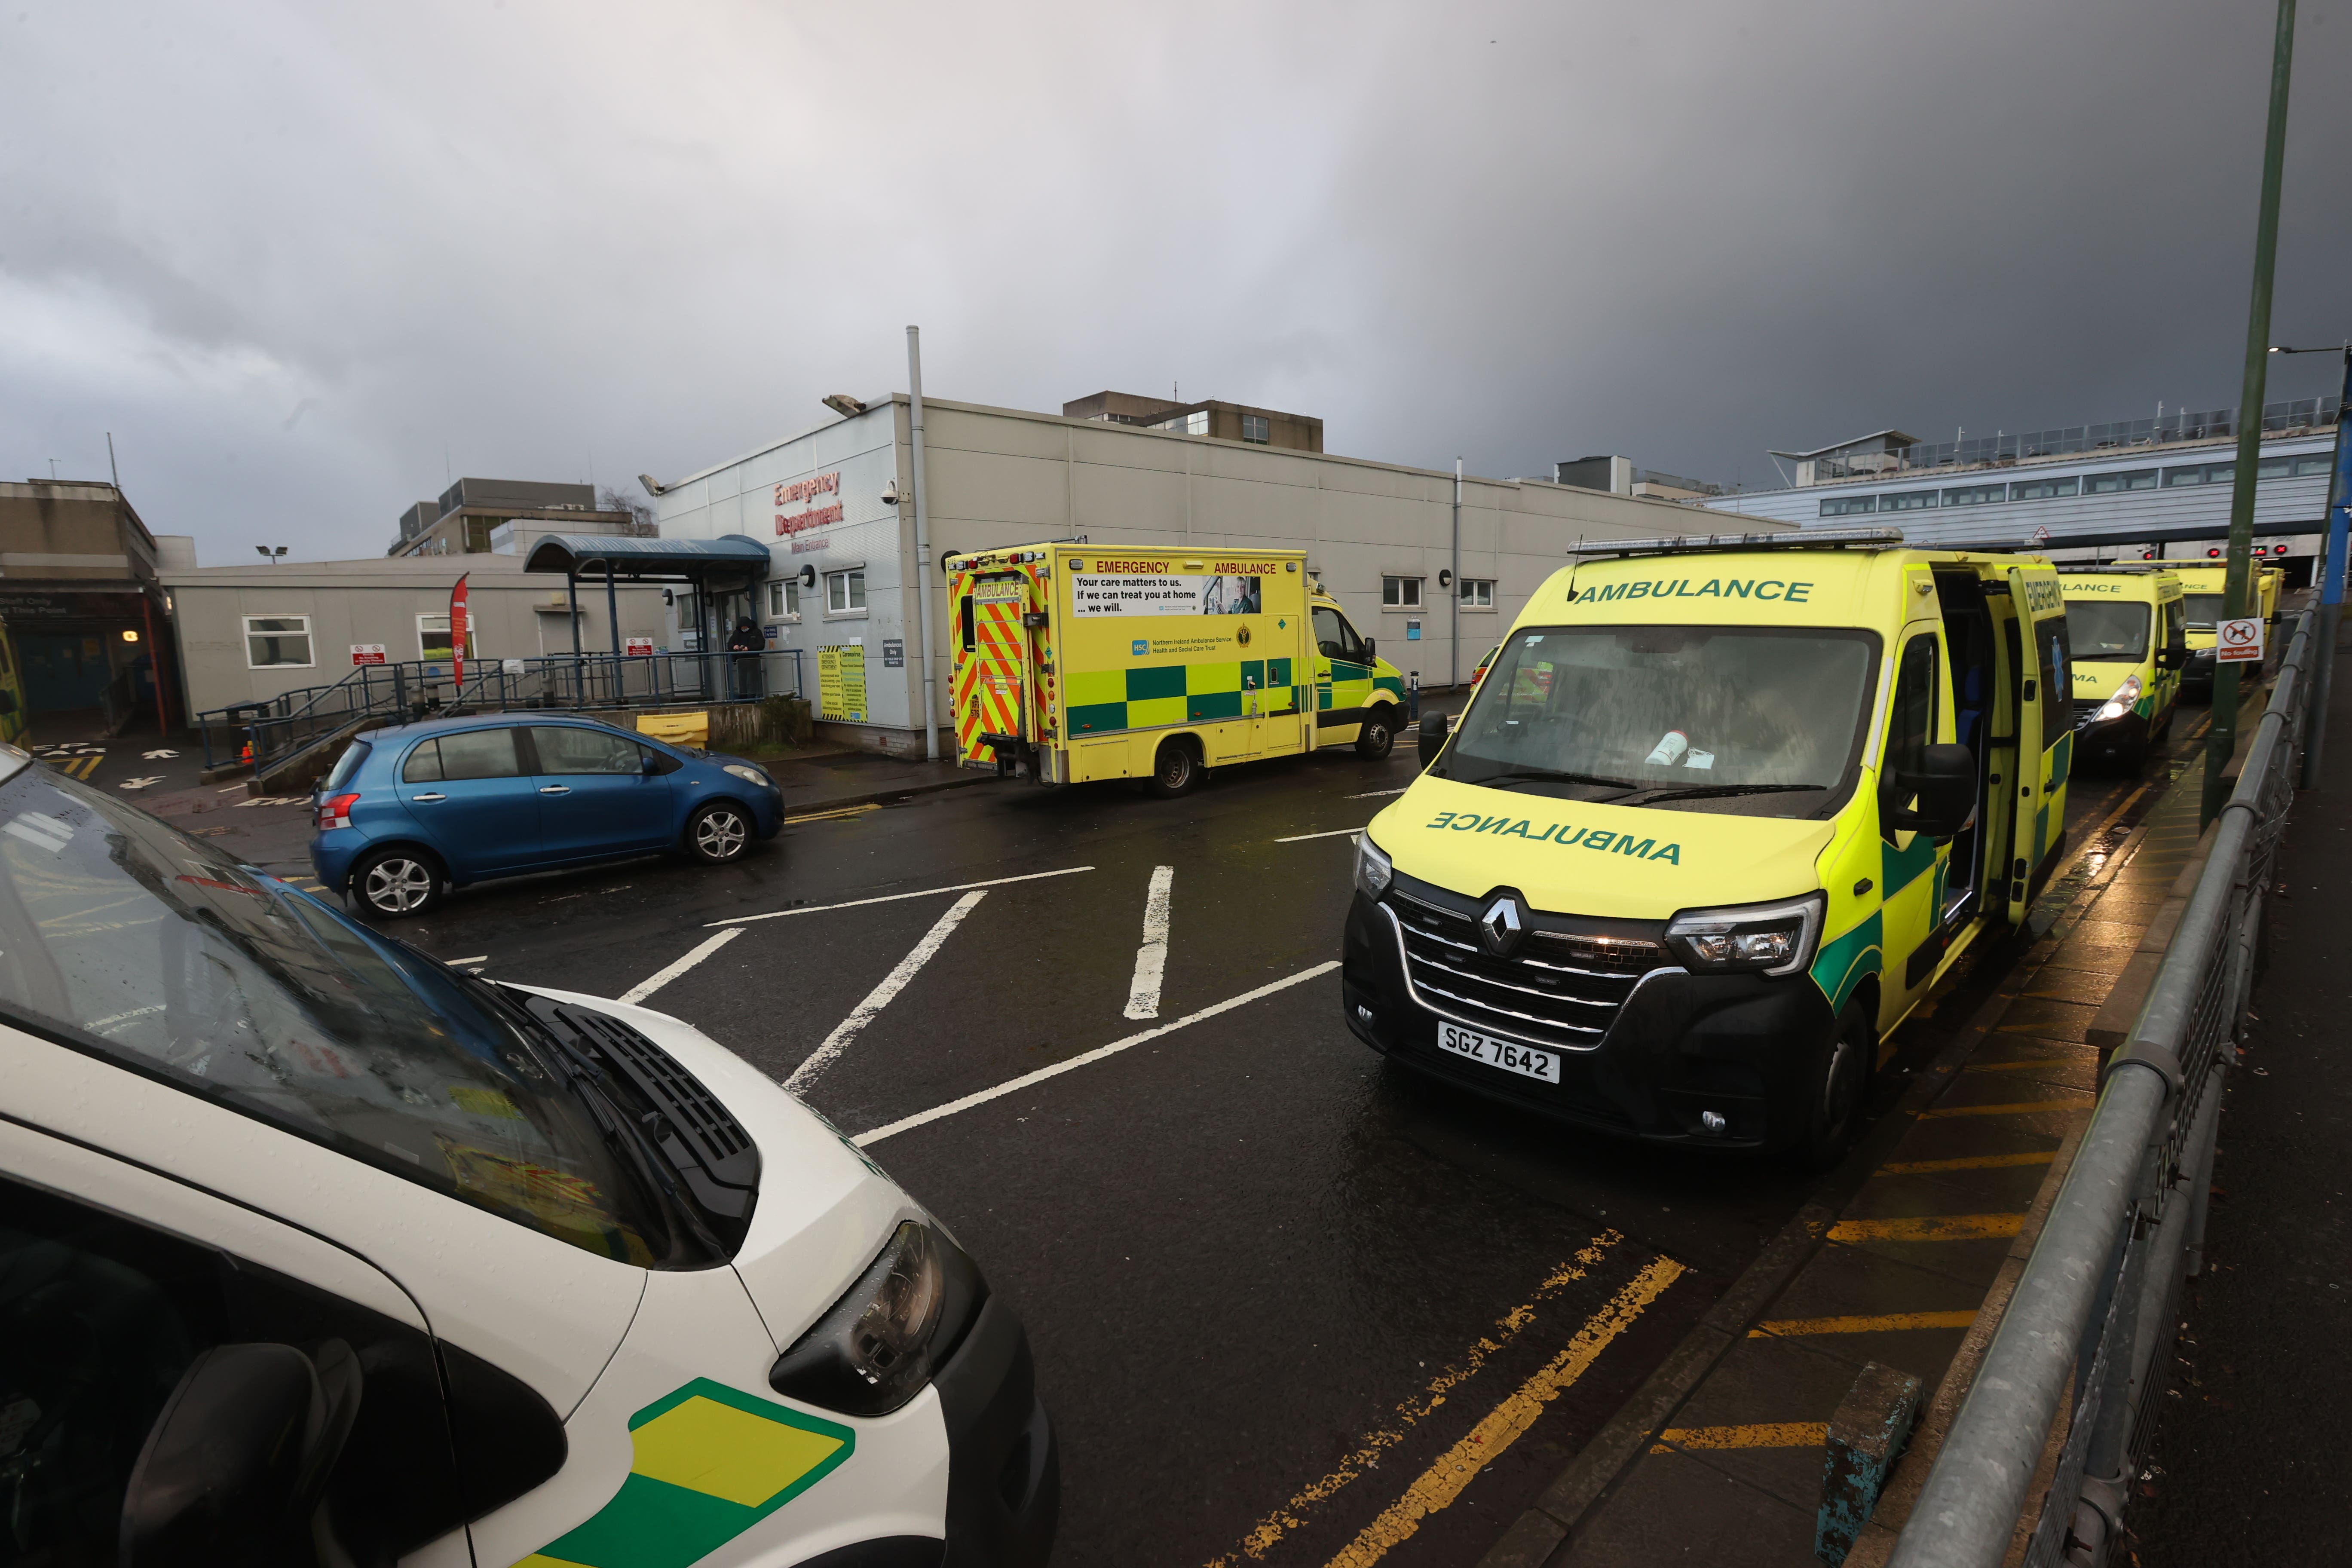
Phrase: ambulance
(1719, 816)
(16, 718)
(2204, 586)
(1072, 664)
(2129, 629)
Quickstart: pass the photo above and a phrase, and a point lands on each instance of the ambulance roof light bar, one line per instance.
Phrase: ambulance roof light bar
(1800, 539)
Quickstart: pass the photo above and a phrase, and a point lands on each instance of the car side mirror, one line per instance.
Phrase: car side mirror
(239, 1458)
(1944, 785)
(1371, 649)
(649, 763)
(1430, 738)
(2172, 658)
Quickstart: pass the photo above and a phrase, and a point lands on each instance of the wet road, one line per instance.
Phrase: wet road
(1289, 1305)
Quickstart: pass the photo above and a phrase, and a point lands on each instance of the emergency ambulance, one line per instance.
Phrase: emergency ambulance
(2204, 586)
(2129, 625)
(1720, 815)
(1072, 664)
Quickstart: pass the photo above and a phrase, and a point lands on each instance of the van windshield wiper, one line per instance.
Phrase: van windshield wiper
(1553, 775)
(1702, 791)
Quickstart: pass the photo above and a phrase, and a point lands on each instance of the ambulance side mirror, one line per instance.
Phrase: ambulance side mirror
(2172, 658)
(1371, 649)
(1945, 787)
(1431, 737)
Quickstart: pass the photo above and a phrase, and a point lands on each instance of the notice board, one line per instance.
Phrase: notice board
(841, 682)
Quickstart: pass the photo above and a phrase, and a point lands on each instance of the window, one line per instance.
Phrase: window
(844, 591)
(1335, 638)
(1849, 505)
(274, 642)
(1976, 495)
(433, 639)
(1479, 592)
(784, 597)
(477, 533)
(2045, 490)
(2200, 474)
(1400, 593)
(2113, 484)
(469, 754)
(1911, 723)
(1906, 501)
(2297, 468)
(573, 749)
(2057, 654)
(1187, 424)
(1254, 427)
(2112, 630)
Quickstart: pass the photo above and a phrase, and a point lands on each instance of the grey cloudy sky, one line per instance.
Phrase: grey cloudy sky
(305, 260)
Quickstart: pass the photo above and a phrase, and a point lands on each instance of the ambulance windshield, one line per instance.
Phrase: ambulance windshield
(2107, 630)
(1756, 720)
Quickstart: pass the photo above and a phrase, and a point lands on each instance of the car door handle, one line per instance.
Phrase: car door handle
(421, 799)
(555, 789)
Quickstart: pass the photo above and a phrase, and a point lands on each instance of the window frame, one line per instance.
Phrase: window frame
(307, 635)
(784, 600)
(2121, 481)
(1469, 601)
(1257, 429)
(1849, 505)
(846, 610)
(1973, 495)
(473, 642)
(1396, 584)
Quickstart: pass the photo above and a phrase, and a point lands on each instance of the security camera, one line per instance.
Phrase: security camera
(890, 493)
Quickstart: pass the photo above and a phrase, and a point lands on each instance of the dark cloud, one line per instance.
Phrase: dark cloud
(305, 263)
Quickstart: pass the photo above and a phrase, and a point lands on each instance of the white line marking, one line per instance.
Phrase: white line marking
(478, 958)
(849, 1028)
(1376, 794)
(661, 977)
(1302, 838)
(1151, 958)
(894, 897)
(906, 1124)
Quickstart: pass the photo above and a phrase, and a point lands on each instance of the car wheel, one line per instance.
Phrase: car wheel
(1840, 1084)
(1378, 735)
(719, 834)
(1175, 770)
(397, 883)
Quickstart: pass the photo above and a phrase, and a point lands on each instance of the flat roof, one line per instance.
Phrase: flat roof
(637, 558)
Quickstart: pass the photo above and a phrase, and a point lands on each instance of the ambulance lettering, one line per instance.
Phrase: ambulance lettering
(1772, 588)
(1559, 834)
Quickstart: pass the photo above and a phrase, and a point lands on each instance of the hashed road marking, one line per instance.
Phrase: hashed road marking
(849, 1028)
(1151, 958)
(894, 897)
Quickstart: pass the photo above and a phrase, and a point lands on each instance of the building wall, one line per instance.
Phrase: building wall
(1004, 477)
(66, 532)
(514, 614)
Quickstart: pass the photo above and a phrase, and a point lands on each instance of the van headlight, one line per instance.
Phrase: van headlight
(877, 1347)
(1768, 939)
(1372, 868)
(2121, 703)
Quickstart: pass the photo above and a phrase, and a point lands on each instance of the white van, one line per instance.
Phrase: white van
(314, 1250)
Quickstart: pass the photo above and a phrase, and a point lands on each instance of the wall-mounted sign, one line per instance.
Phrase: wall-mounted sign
(1412, 631)
(894, 653)
(637, 647)
(2239, 642)
(367, 653)
(841, 683)
(809, 490)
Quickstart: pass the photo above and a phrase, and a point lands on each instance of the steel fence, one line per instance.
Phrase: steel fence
(269, 732)
(2083, 1353)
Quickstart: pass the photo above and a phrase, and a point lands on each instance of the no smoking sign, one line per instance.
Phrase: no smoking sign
(2239, 642)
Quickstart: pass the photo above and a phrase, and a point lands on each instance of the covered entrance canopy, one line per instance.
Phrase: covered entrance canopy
(712, 568)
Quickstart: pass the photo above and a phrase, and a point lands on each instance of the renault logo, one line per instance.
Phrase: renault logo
(1500, 928)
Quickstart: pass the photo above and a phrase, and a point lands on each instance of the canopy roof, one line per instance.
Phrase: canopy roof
(647, 559)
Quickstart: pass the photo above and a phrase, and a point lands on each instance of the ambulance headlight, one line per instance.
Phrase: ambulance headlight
(1768, 939)
(878, 1345)
(1372, 868)
(2121, 703)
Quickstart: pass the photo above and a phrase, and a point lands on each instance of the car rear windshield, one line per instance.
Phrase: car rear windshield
(123, 937)
(2108, 631)
(346, 766)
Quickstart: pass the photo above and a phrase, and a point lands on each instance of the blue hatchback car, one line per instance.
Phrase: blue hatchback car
(411, 811)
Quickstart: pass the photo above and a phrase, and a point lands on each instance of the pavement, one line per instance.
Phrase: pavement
(2248, 1463)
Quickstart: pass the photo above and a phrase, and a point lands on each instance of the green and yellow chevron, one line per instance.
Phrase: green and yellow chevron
(1144, 697)
(710, 1462)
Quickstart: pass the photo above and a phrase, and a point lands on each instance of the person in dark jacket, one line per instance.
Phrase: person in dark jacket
(747, 643)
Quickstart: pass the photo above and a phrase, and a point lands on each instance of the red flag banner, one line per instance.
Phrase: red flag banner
(457, 631)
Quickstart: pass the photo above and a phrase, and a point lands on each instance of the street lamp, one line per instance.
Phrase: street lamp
(269, 552)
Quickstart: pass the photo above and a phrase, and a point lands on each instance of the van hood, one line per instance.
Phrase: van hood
(1571, 856)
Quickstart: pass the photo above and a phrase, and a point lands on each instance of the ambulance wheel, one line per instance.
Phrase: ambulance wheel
(1175, 770)
(1378, 735)
(719, 834)
(1840, 1084)
(396, 883)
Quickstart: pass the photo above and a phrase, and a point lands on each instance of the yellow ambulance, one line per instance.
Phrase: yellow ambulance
(1071, 664)
(2128, 626)
(1720, 815)
(15, 717)
(2204, 586)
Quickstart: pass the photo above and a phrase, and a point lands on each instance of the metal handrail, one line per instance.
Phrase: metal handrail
(2095, 1299)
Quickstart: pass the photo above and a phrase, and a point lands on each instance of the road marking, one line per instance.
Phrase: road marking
(1375, 793)
(142, 783)
(894, 897)
(2029, 1108)
(1302, 838)
(1971, 1162)
(661, 977)
(1151, 958)
(1929, 1228)
(1768, 1435)
(1884, 1322)
(839, 811)
(1507, 1422)
(849, 1028)
(1013, 1086)
(1367, 1456)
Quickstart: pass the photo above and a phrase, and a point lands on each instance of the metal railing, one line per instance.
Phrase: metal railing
(266, 733)
(2090, 1328)
(2313, 414)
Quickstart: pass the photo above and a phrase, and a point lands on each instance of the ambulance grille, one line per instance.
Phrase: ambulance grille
(2085, 708)
(1563, 988)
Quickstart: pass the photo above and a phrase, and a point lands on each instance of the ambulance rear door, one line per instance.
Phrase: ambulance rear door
(2034, 696)
(997, 699)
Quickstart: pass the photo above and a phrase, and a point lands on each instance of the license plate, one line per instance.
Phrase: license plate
(1495, 1053)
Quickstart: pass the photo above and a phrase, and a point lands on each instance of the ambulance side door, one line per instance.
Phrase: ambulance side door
(1343, 678)
(1913, 867)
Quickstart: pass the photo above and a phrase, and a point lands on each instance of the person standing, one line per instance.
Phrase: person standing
(746, 645)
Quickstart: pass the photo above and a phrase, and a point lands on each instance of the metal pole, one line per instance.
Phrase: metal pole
(1454, 659)
(571, 592)
(2331, 580)
(2221, 738)
(923, 541)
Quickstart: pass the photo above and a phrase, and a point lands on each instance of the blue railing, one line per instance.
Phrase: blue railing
(266, 733)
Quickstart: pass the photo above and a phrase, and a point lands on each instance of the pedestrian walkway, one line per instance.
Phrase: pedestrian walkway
(1722, 1458)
